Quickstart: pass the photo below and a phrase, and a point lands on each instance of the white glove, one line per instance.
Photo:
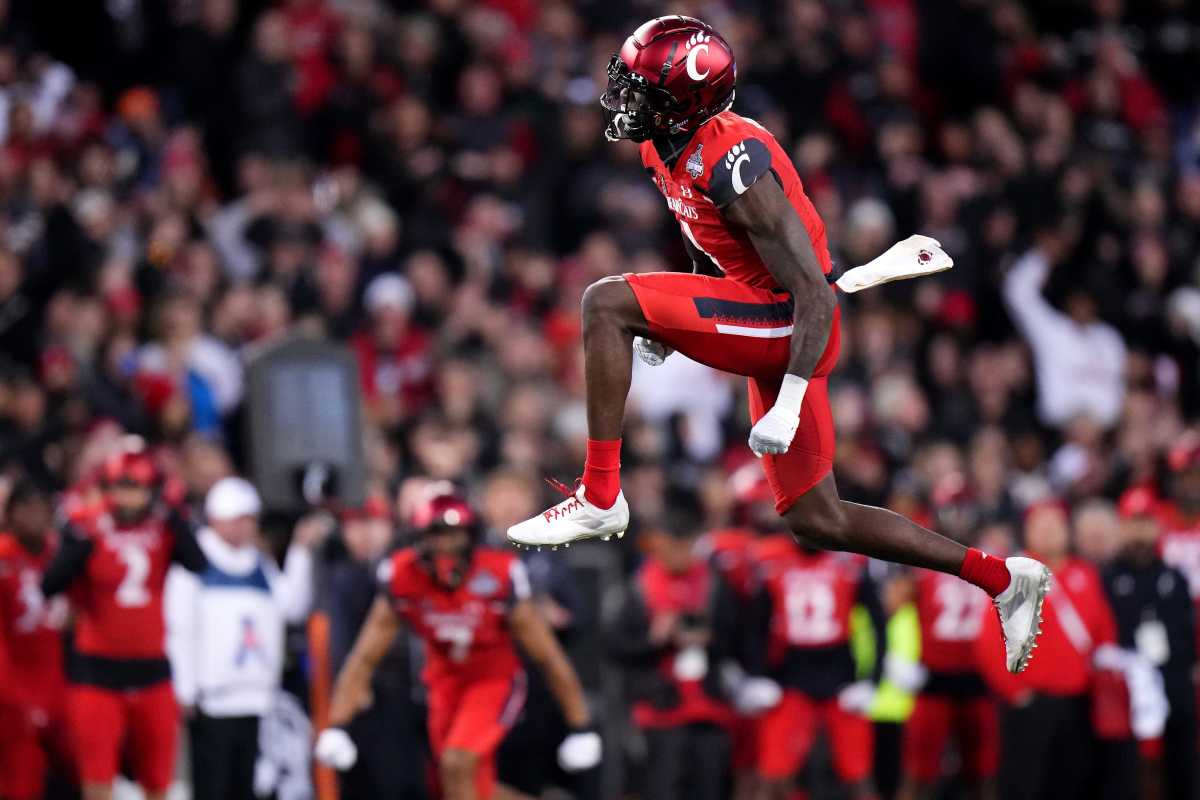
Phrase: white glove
(774, 431)
(650, 351)
(757, 695)
(857, 697)
(336, 749)
(1148, 706)
(579, 751)
(915, 256)
(909, 676)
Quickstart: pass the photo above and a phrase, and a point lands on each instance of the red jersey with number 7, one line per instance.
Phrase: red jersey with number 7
(465, 629)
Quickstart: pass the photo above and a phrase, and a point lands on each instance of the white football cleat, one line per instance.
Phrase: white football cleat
(573, 520)
(1020, 609)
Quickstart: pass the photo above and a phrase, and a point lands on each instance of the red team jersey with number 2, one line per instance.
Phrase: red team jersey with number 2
(465, 630)
(119, 598)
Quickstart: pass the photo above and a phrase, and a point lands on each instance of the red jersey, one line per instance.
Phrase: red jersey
(1179, 544)
(31, 646)
(812, 595)
(951, 613)
(685, 594)
(119, 596)
(731, 553)
(465, 630)
(1077, 618)
(724, 157)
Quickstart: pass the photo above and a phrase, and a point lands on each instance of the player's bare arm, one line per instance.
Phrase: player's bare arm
(352, 689)
(783, 243)
(539, 644)
(582, 748)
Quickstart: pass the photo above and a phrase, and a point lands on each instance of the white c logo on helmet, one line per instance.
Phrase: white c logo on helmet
(692, 55)
(735, 173)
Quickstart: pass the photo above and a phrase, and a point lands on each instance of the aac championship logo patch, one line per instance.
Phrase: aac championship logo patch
(695, 164)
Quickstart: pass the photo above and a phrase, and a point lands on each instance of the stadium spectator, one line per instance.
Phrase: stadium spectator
(1079, 359)
(663, 635)
(225, 635)
(1155, 621)
(1047, 744)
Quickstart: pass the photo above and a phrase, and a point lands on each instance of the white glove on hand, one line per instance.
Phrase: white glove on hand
(909, 676)
(650, 351)
(915, 256)
(857, 697)
(757, 695)
(773, 433)
(336, 749)
(579, 751)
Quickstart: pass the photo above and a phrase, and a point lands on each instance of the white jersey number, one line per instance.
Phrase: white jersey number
(811, 610)
(961, 614)
(132, 593)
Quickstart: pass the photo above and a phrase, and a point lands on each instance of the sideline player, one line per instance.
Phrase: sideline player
(32, 683)
(113, 559)
(806, 598)
(470, 605)
(772, 317)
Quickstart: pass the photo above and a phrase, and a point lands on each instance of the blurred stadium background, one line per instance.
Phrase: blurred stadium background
(338, 246)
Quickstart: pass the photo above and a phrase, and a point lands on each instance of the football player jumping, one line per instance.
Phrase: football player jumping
(758, 303)
(470, 606)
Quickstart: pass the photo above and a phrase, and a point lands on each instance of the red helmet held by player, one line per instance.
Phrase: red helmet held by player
(131, 482)
(129, 468)
(446, 528)
(673, 74)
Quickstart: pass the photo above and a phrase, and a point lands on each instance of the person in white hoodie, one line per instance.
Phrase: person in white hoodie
(225, 635)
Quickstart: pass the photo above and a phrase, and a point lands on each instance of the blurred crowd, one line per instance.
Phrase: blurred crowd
(184, 184)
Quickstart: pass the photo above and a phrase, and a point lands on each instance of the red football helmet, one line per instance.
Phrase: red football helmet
(673, 74)
(443, 509)
(130, 467)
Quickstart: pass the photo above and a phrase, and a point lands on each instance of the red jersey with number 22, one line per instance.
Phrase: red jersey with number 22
(951, 613)
(465, 629)
(724, 158)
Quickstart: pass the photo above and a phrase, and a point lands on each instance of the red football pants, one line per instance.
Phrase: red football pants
(746, 330)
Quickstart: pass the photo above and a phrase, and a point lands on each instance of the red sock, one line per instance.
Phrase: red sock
(602, 472)
(987, 572)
